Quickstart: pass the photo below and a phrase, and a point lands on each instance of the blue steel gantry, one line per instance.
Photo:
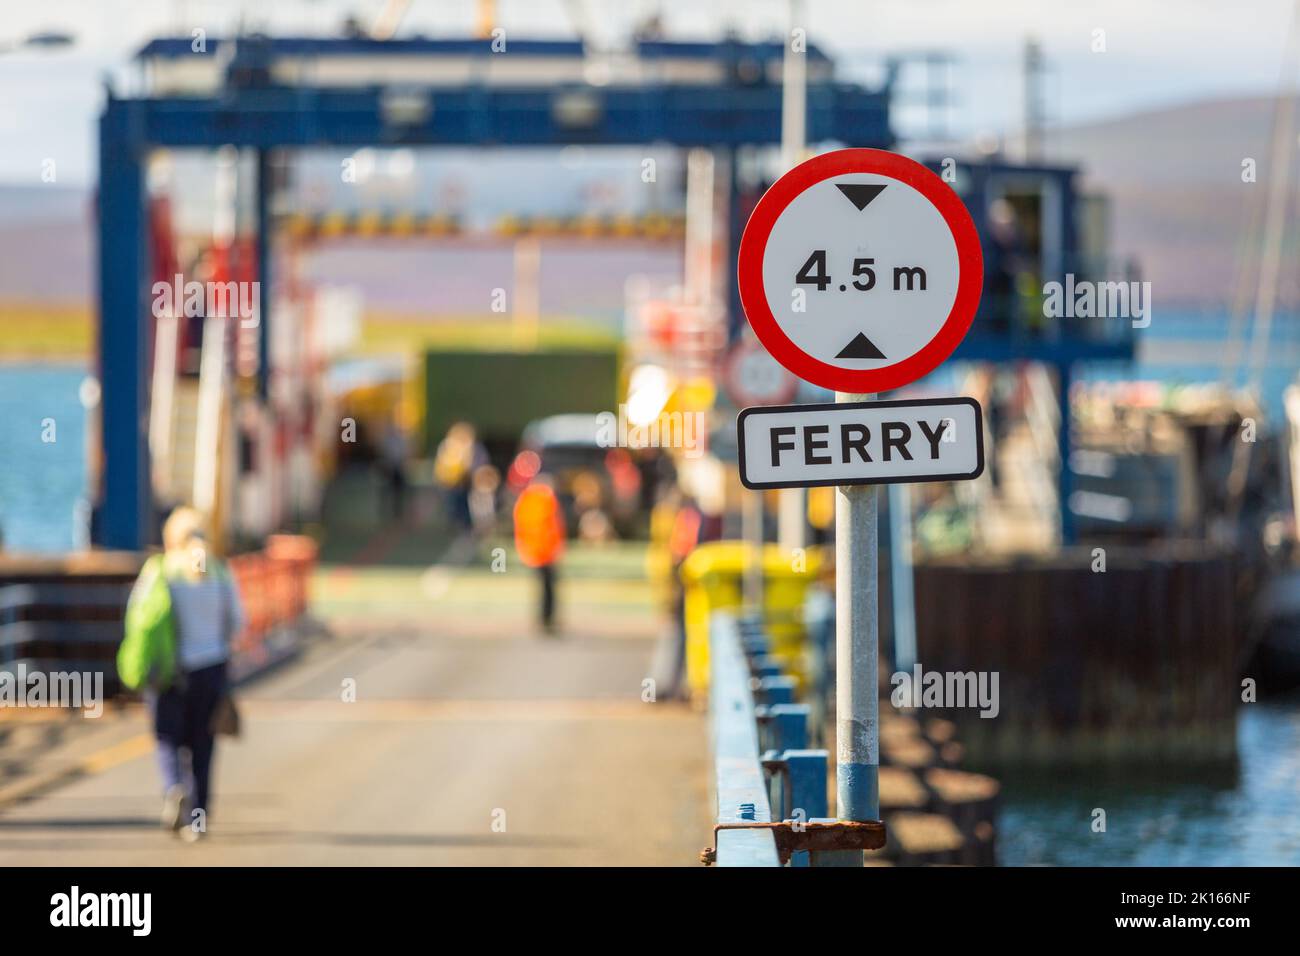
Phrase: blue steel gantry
(270, 94)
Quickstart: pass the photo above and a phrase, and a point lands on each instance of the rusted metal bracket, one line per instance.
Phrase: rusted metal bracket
(794, 835)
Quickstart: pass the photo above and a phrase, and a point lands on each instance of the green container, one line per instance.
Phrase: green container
(501, 392)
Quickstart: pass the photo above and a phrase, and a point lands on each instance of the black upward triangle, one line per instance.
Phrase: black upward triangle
(861, 347)
(860, 194)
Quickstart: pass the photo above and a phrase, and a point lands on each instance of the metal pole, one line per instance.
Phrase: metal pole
(857, 740)
(527, 292)
(792, 513)
(752, 528)
(792, 523)
(1064, 476)
(1033, 69)
(794, 93)
(265, 186)
(124, 518)
(900, 577)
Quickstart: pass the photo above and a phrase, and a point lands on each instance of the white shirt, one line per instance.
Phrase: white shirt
(207, 614)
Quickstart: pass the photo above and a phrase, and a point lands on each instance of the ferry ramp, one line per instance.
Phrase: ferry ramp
(426, 723)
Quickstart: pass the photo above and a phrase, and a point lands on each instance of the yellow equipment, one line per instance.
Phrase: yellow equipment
(713, 578)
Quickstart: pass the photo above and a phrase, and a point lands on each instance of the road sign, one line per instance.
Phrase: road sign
(860, 443)
(860, 270)
(753, 377)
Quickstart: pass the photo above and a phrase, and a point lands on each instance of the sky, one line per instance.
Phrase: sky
(1157, 52)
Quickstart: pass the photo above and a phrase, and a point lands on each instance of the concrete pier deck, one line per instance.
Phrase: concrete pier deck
(472, 740)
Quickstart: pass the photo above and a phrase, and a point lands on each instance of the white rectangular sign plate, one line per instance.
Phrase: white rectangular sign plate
(860, 443)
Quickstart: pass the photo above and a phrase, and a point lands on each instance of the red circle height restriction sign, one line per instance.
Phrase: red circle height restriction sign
(860, 270)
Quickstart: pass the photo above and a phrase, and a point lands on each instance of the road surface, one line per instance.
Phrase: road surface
(471, 741)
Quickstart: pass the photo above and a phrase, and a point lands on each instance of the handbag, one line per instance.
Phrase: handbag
(225, 717)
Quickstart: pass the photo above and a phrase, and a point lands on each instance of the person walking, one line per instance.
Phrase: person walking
(539, 540)
(454, 463)
(182, 615)
(392, 458)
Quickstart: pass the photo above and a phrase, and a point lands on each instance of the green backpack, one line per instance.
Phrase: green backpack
(147, 656)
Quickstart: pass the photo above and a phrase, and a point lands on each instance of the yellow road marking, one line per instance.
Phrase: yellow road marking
(118, 753)
(53, 715)
(513, 711)
(97, 762)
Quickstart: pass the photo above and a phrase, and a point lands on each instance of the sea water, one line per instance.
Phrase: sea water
(42, 456)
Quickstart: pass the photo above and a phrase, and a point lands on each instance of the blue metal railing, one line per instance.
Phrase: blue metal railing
(63, 626)
(765, 771)
(14, 631)
(740, 783)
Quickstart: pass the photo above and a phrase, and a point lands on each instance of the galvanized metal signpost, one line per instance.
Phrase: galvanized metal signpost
(860, 271)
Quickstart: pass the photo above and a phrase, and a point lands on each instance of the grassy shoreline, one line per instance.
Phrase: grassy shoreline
(45, 332)
(66, 333)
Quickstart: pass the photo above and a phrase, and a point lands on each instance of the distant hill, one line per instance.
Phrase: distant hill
(45, 245)
(1178, 203)
(1173, 175)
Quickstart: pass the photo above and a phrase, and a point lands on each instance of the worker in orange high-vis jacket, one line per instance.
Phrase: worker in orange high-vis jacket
(539, 539)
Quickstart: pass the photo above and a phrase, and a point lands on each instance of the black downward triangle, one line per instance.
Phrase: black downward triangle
(861, 347)
(860, 194)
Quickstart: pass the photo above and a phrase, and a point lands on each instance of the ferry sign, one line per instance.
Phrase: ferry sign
(860, 443)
